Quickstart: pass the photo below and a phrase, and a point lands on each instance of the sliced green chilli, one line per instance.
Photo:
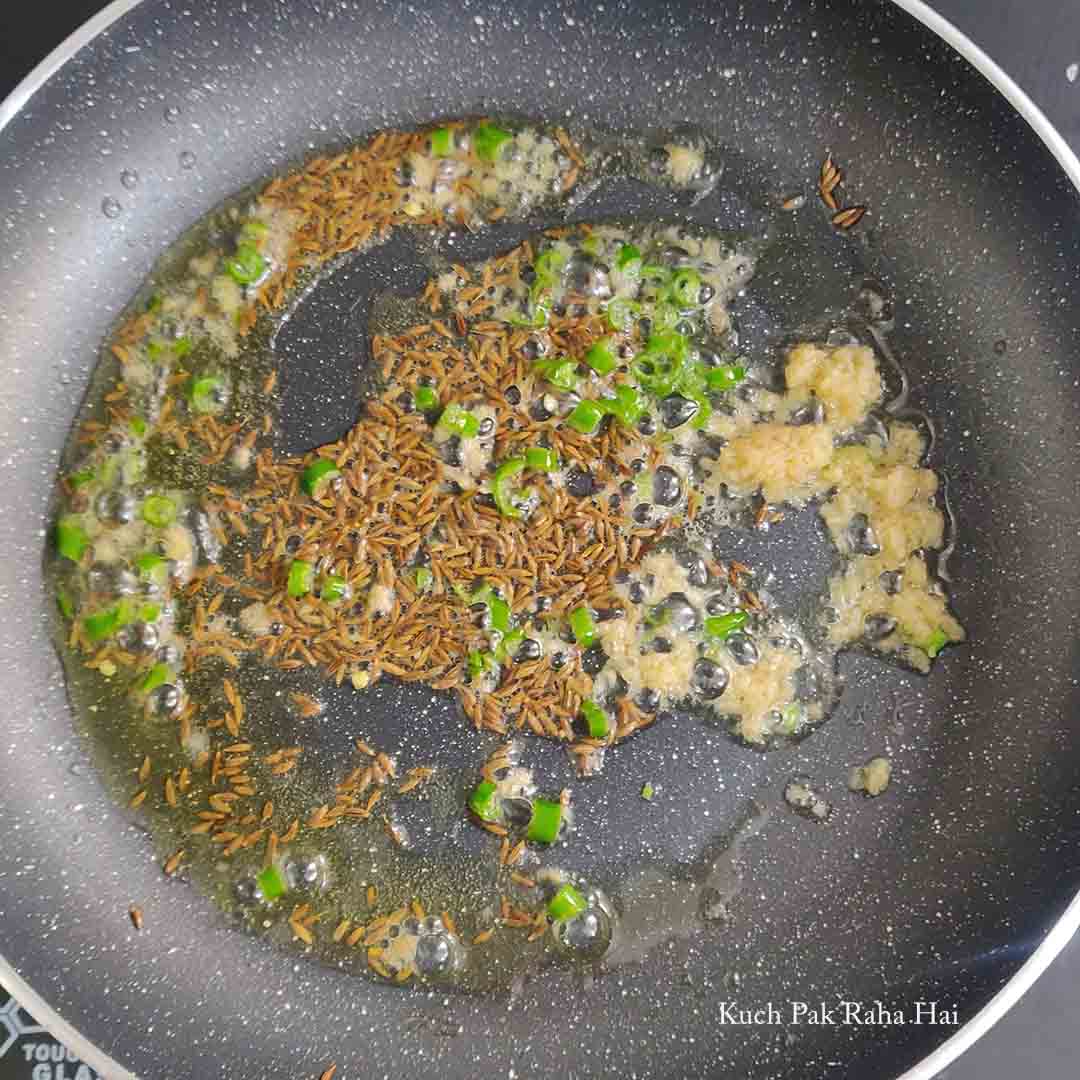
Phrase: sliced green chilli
(546, 821)
(159, 510)
(272, 883)
(246, 266)
(318, 475)
(542, 459)
(502, 486)
(600, 356)
(484, 801)
(301, 578)
(71, 539)
(722, 626)
(442, 142)
(488, 141)
(586, 416)
(567, 903)
(596, 720)
(583, 626)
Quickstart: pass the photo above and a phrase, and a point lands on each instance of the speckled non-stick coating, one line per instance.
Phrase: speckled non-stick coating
(937, 890)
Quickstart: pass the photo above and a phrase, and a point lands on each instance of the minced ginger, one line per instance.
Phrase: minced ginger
(880, 484)
(872, 778)
(845, 380)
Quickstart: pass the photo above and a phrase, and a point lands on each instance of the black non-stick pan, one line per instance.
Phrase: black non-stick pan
(936, 892)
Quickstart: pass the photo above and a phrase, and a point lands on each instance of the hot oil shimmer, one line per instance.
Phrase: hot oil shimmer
(525, 517)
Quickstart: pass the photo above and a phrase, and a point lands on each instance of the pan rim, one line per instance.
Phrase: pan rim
(1067, 923)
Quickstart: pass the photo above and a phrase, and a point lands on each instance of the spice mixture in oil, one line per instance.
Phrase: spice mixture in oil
(527, 516)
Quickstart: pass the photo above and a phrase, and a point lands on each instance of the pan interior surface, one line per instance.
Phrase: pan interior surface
(938, 892)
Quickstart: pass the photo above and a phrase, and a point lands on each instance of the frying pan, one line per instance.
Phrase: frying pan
(938, 891)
